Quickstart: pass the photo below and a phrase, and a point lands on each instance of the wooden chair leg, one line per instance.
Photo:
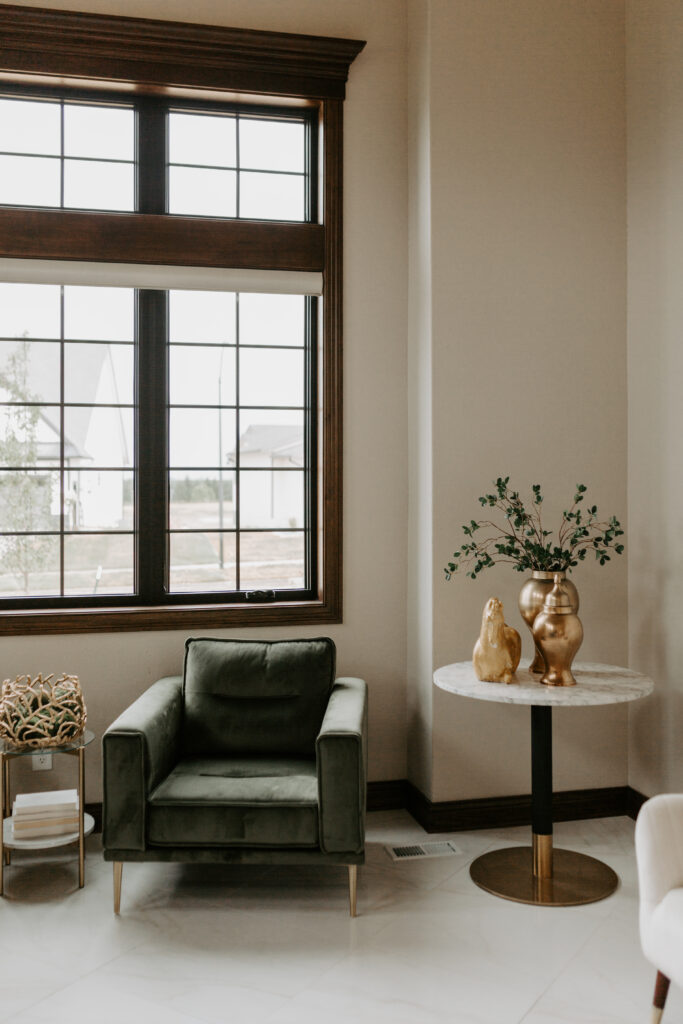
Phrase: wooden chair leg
(661, 991)
(118, 871)
(353, 888)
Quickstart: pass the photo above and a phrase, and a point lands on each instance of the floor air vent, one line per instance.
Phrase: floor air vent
(416, 851)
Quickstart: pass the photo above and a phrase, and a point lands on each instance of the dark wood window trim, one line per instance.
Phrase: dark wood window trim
(167, 56)
(155, 239)
(87, 51)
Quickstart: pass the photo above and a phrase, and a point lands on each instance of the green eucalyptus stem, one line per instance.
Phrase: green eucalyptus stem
(524, 543)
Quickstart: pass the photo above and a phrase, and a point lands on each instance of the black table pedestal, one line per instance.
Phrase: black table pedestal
(540, 874)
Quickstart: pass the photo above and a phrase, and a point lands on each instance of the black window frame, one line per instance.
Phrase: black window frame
(151, 528)
(105, 55)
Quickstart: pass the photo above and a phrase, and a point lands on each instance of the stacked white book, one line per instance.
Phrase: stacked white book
(53, 813)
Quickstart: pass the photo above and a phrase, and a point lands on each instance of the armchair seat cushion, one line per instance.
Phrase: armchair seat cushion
(236, 802)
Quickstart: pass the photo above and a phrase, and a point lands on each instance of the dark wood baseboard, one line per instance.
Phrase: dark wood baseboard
(391, 795)
(636, 801)
(493, 812)
(500, 812)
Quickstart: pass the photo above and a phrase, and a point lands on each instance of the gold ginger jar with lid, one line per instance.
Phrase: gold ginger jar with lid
(558, 634)
(531, 598)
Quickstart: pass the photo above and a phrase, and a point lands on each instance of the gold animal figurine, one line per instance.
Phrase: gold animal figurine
(499, 647)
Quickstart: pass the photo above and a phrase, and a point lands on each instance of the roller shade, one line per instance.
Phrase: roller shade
(136, 275)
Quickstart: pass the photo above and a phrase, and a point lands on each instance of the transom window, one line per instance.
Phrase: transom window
(56, 153)
(237, 166)
(70, 155)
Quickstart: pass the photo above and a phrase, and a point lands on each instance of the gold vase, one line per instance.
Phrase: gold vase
(531, 599)
(558, 634)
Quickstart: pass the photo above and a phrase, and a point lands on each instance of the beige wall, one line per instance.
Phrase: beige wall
(655, 365)
(371, 642)
(527, 156)
(420, 576)
(485, 315)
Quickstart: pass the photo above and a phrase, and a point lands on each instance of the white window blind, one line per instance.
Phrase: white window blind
(136, 275)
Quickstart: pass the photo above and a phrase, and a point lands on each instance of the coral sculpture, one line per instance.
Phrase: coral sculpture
(38, 712)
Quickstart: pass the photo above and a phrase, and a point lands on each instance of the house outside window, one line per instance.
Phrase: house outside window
(169, 357)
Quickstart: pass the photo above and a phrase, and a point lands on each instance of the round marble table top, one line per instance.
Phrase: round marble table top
(595, 684)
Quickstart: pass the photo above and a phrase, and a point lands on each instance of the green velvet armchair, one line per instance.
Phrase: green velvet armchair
(256, 754)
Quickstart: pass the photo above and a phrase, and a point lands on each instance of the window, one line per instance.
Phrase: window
(67, 438)
(221, 392)
(238, 166)
(233, 420)
(70, 155)
(169, 361)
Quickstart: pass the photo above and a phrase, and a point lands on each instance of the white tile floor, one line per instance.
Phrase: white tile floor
(277, 945)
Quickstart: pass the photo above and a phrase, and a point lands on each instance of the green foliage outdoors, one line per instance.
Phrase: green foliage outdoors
(522, 540)
(188, 489)
(192, 489)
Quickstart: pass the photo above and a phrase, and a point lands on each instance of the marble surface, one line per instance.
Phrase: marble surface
(13, 842)
(273, 945)
(595, 684)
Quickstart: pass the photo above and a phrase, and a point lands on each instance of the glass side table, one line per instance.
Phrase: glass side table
(8, 753)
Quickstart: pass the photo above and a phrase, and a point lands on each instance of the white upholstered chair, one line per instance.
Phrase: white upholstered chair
(659, 851)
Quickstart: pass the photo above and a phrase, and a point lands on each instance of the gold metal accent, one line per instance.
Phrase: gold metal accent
(499, 647)
(542, 855)
(81, 809)
(531, 599)
(576, 878)
(3, 769)
(7, 804)
(558, 634)
(353, 887)
(118, 871)
(6, 757)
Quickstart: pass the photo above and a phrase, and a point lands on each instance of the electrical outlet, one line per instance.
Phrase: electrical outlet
(41, 762)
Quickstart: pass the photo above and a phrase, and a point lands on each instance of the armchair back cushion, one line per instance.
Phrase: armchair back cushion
(245, 698)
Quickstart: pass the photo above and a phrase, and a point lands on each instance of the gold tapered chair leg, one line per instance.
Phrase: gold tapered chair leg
(661, 991)
(353, 888)
(118, 871)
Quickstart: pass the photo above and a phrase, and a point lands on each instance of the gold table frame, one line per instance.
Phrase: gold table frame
(8, 754)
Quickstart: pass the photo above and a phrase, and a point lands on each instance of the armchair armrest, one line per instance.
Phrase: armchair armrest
(138, 750)
(659, 850)
(341, 754)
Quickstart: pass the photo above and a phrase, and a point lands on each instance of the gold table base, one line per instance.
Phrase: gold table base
(576, 878)
(6, 805)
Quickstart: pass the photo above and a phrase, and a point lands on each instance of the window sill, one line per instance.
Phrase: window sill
(120, 620)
